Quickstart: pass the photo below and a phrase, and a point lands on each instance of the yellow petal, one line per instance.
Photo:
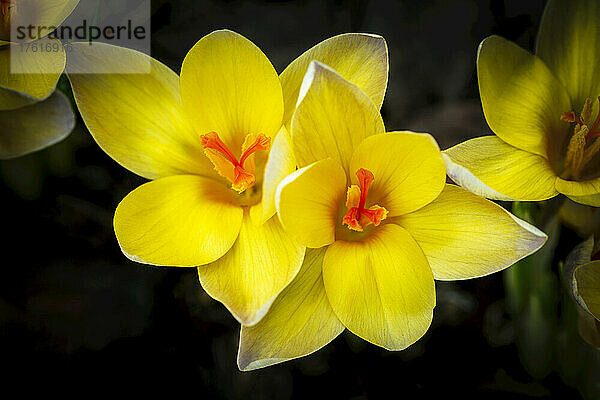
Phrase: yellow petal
(465, 236)
(229, 86)
(180, 221)
(35, 127)
(332, 118)
(587, 281)
(136, 118)
(381, 288)
(569, 42)
(408, 168)
(522, 100)
(585, 192)
(299, 322)
(308, 202)
(489, 167)
(261, 263)
(27, 76)
(281, 163)
(42, 14)
(590, 200)
(358, 57)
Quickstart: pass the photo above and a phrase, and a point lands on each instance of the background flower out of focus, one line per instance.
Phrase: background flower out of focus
(75, 312)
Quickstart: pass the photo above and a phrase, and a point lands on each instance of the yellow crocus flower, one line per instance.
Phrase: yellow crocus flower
(32, 115)
(380, 223)
(214, 145)
(543, 109)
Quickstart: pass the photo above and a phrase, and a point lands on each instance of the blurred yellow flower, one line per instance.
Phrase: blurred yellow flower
(544, 111)
(32, 115)
(214, 145)
(380, 223)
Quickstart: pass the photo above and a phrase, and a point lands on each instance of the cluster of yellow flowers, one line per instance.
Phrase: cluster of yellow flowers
(303, 216)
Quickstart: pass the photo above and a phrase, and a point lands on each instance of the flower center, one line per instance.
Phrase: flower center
(358, 216)
(584, 144)
(8, 9)
(240, 173)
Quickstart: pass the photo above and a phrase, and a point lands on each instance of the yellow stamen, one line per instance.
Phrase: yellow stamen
(591, 151)
(586, 113)
(584, 143)
(576, 149)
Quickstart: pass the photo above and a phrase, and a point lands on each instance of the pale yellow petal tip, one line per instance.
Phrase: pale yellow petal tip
(255, 317)
(251, 356)
(222, 33)
(35, 127)
(375, 36)
(245, 316)
(530, 241)
(536, 236)
(247, 362)
(140, 260)
(530, 228)
(370, 35)
(399, 341)
(267, 214)
(465, 178)
(135, 258)
(315, 69)
(489, 41)
(580, 300)
(362, 58)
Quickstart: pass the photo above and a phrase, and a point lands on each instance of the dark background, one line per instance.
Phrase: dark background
(75, 314)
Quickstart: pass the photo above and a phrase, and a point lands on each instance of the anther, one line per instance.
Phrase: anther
(580, 151)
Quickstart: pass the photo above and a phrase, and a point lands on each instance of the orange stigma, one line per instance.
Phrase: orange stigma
(358, 216)
(240, 173)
